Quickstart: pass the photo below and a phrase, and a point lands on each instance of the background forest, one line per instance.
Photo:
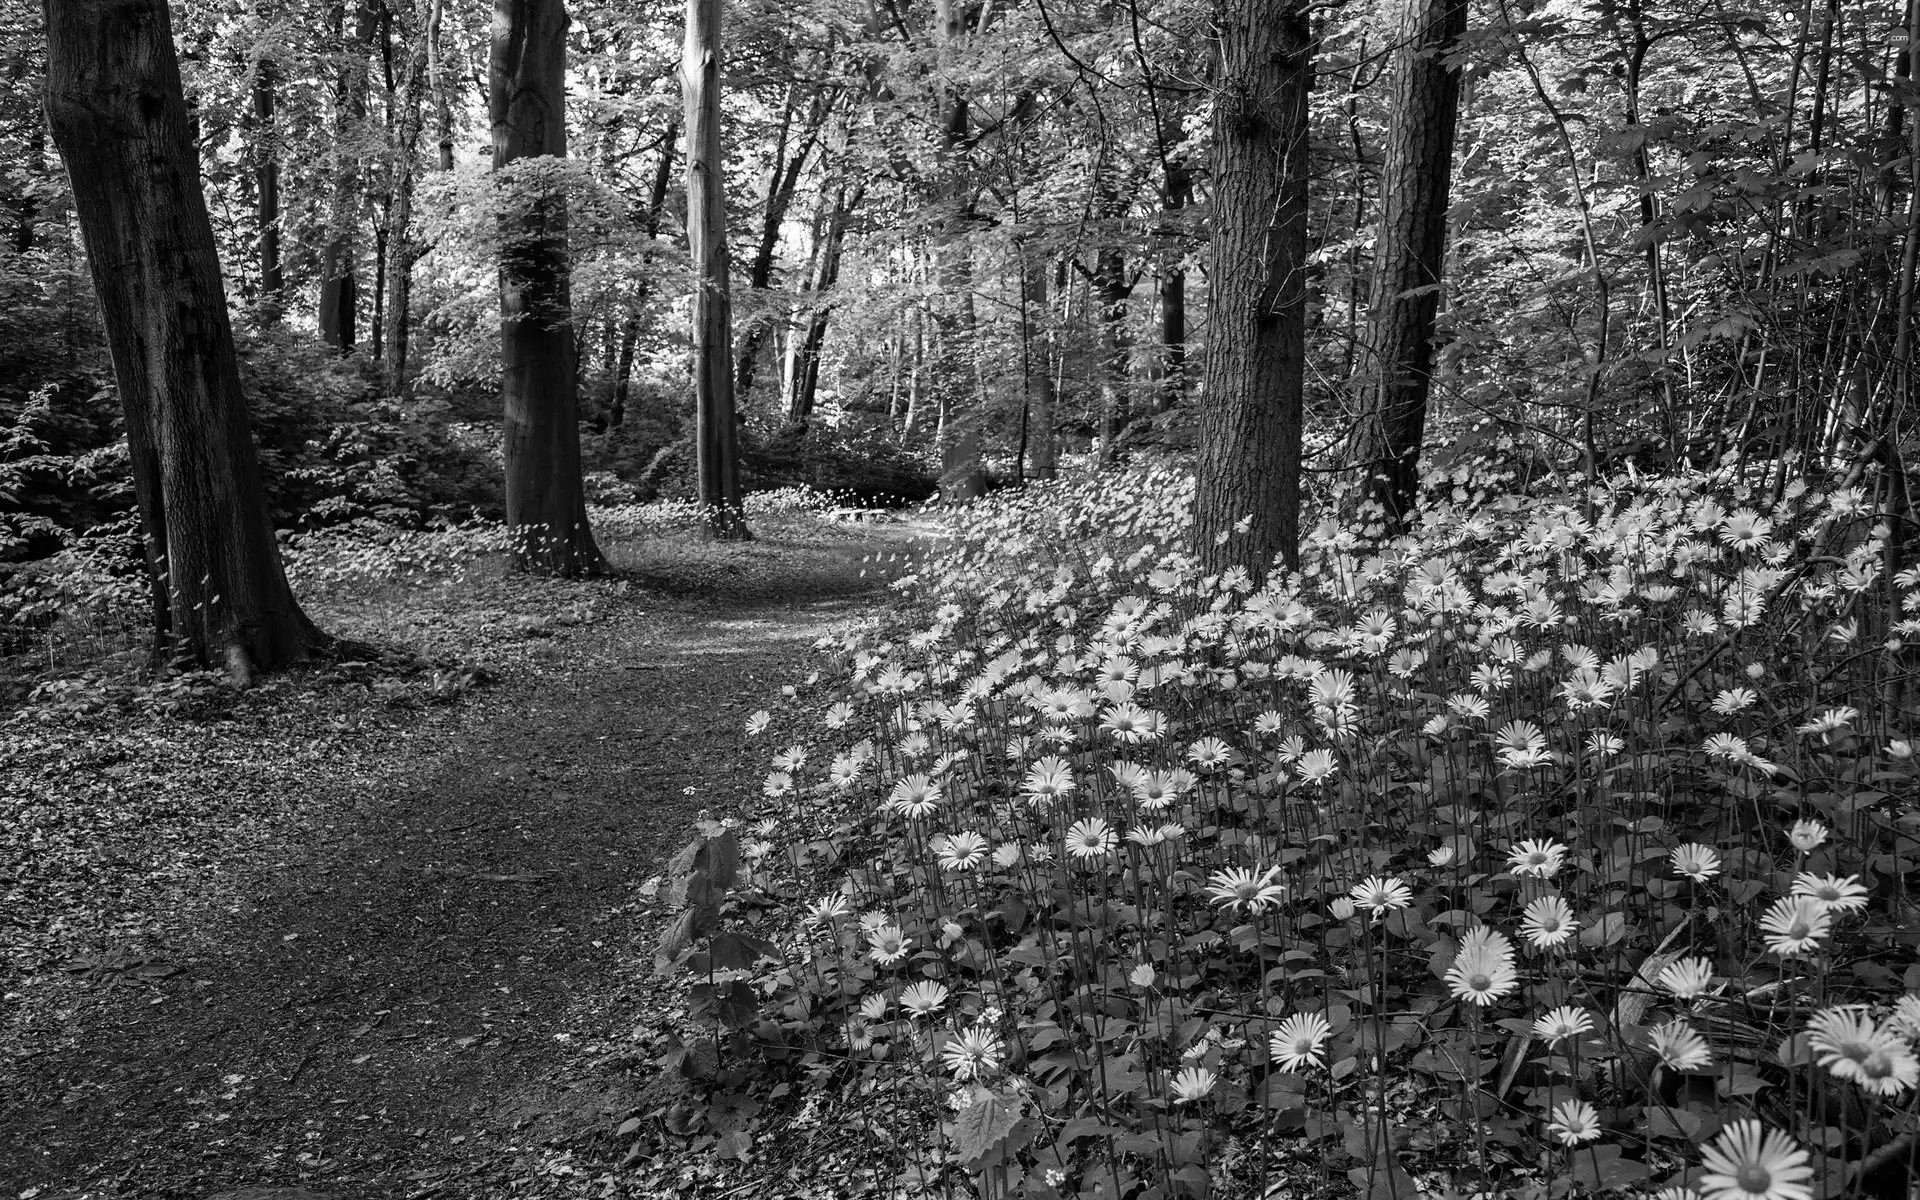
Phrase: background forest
(1407, 689)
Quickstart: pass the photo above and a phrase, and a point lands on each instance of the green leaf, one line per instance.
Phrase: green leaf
(983, 1126)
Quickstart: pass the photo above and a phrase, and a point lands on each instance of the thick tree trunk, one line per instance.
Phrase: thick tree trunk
(1247, 500)
(115, 107)
(1408, 256)
(266, 178)
(546, 502)
(715, 436)
(1036, 338)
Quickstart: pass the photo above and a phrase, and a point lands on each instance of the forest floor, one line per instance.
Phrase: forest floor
(343, 935)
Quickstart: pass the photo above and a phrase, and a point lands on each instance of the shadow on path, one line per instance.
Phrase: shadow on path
(362, 1003)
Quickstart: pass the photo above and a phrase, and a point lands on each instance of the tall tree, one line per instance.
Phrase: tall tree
(546, 501)
(1247, 497)
(339, 268)
(1409, 254)
(402, 248)
(115, 106)
(716, 451)
(267, 189)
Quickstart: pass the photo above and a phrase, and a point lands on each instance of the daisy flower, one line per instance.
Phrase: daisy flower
(1441, 857)
(1482, 971)
(1191, 1084)
(1210, 752)
(1548, 922)
(1242, 890)
(1906, 1016)
(873, 1007)
(1687, 978)
(924, 998)
(1563, 1023)
(826, 910)
(1049, 779)
(1696, 861)
(777, 784)
(1733, 699)
(889, 945)
(1536, 857)
(1796, 925)
(1839, 895)
(1852, 1046)
(914, 796)
(1299, 1041)
(1129, 723)
(973, 1054)
(963, 851)
(1316, 766)
(1830, 720)
(1807, 835)
(1090, 838)
(1678, 1046)
(839, 714)
(758, 722)
(1574, 1122)
(1381, 895)
(1750, 1162)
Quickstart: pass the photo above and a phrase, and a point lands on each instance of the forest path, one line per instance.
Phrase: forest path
(386, 1004)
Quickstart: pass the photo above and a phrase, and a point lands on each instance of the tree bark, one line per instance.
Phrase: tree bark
(1247, 499)
(1409, 255)
(116, 110)
(402, 249)
(630, 328)
(715, 436)
(339, 272)
(266, 176)
(803, 373)
(1036, 338)
(782, 182)
(546, 502)
(1177, 191)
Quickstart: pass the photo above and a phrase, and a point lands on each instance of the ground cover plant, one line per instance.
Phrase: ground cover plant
(1557, 847)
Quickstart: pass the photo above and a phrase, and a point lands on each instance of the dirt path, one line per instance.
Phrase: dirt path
(382, 1005)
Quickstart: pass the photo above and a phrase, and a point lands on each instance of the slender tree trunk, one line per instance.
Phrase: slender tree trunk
(1409, 255)
(115, 107)
(339, 273)
(1036, 338)
(804, 373)
(546, 502)
(782, 183)
(266, 177)
(715, 435)
(630, 328)
(1177, 191)
(402, 249)
(1247, 500)
(437, 80)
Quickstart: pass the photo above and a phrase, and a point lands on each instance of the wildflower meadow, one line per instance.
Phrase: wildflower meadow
(1556, 848)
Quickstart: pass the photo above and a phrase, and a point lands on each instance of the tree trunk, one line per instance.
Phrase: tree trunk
(803, 374)
(1177, 192)
(437, 80)
(546, 502)
(266, 176)
(1409, 255)
(782, 182)
(115, 107)
(402, 250)
(339, 272)
(716, 452)
(1038, 366)
(630, 328)
(1247, 499)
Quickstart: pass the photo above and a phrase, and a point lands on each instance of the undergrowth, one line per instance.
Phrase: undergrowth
(1560, 847)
